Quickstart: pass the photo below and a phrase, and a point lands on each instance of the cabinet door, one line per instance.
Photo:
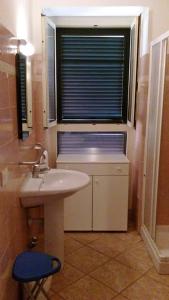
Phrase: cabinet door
(110, 202)
(78, 210)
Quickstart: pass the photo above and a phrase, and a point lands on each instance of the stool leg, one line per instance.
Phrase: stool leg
(44, 293)
(41, 289)
(33, 291)
(36, 289)
(30, 292)
(40, 286)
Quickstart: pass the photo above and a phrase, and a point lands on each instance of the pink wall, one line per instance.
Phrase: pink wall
(13, 221)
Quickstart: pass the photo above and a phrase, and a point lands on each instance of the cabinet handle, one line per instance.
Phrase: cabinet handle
(96, 181)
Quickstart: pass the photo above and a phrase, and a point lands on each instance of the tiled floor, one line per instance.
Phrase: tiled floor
(106, 266)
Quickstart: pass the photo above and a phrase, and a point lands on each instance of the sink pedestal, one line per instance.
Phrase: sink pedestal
(54, 226)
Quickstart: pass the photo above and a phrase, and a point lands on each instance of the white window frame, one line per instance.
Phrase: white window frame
(133, 80)
(45, 22)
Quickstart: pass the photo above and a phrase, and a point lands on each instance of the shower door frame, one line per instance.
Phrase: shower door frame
(162, 41)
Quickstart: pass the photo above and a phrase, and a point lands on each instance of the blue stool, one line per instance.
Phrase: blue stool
(35, 266)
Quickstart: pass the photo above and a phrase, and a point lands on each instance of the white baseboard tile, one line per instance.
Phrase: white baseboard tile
(159, 258)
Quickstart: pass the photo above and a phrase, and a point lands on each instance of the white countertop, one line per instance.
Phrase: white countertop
(92, 158)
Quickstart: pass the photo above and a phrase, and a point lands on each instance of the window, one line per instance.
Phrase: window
(92, 142)
(92, 75)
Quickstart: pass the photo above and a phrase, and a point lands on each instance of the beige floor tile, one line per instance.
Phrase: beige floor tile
(53, 296)
(120, 297)
(67, 235)
(140, 251)
(86, 259)
(67, 276)
(160, 278)
(147, 289)
(51, 293)
(129, 236)
(115, 275)
(70, 245)
(87, 289)
(110, 245)
(56, 297)
(85, 237)
(142, 264)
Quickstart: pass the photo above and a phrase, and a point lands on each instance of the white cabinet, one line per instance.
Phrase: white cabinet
(103, 204)
(110, 202)
(78, 210)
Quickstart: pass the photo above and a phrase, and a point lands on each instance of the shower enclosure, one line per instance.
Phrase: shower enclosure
(155, 228)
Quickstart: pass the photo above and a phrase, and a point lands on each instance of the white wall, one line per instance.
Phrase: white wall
(91, 21)
(159, 21)
(15, 15)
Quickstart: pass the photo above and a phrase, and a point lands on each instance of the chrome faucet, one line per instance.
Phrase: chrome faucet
(35, 171)
(39, 165)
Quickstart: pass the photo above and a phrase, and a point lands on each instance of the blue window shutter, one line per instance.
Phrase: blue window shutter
(92, 142)
(93, 75)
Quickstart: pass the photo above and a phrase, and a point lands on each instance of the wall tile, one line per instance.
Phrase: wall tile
(14, 231)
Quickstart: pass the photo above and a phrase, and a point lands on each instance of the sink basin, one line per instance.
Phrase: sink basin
(64, 182)
(50, 190)
(59, 182)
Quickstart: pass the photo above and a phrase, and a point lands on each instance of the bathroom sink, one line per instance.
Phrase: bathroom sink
(56, 182)
(63, 182)
(49, 190)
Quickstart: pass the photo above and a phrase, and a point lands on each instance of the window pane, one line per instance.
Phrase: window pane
(92, 142)
(93, 76)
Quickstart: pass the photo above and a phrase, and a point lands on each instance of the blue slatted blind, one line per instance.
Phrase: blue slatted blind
(92, 142)
(92, 82)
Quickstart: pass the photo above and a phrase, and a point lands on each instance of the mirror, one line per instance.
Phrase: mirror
(24, 95)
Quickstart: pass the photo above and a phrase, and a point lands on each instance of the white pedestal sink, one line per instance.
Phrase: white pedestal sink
(50, 190)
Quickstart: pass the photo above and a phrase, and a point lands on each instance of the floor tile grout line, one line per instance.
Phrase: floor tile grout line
(103, 253)
(89, 274)
(126, 286)
(121, 240)
(120, 252)
(86, 243)
(158, 280)
(125, 264)
(102, 235)
(78, 269)
(74, 250)
(120, 294)
(133, 283)
(98, 251)
(94, 250)
(84, 275)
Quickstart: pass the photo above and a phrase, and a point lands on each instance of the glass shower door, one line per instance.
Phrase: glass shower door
(153, 134)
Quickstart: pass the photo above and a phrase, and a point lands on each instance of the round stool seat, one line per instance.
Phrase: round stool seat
(33, 266)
